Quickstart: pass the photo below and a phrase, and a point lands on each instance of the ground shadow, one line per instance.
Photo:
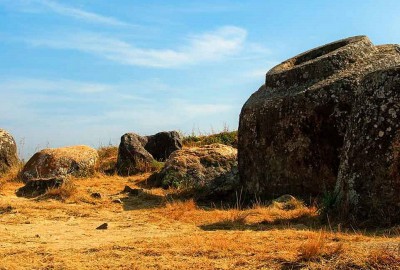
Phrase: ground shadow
(144, 200)
(302, 223)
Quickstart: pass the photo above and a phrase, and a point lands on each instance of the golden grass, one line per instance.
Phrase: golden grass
(153, 231)
(108, 156)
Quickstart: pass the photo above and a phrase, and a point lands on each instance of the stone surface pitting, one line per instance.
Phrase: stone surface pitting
(295, 132)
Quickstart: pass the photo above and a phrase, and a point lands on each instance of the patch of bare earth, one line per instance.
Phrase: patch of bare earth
(153, 231)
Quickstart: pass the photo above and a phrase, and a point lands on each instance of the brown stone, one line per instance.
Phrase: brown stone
(8, 151)
(78, 161)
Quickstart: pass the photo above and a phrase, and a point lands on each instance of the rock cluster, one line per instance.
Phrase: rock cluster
(78, 161)
(8, 151)
(136, 153)
(324, 122)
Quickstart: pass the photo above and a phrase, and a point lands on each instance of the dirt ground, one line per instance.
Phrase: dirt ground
(153, 231)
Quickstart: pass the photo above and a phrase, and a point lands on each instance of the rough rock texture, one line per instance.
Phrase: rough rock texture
(78, 161)
(132, 157)
(136, 153)
(8, 151)
(294, 131)
(211, 170)
(162, 144)
(369, 175)
(38, 187)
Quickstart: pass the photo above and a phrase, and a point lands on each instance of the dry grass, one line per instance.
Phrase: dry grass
(107, 159)
(67, 191)
(153, 231)
(318, 247)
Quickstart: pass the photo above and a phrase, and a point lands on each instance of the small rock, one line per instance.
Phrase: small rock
(132, 191)
(117, 201)
(95, 195)
(285, 198)
(103, 226)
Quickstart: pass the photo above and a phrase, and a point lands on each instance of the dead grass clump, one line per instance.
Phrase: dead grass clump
(394, 231)
(384, 258)
(178, 209)
(317, 248)
(13, 174)
(107, 159)
(66, 191)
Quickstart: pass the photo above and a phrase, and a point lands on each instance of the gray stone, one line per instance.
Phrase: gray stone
(162, 144)
(132, 157)
(137, 154)
(294, 131)
(369, 175)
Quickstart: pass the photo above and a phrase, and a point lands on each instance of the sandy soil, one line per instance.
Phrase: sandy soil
(152, 232)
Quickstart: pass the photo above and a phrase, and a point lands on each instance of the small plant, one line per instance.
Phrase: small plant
(107, 159)
(317, 247)
(328, 201)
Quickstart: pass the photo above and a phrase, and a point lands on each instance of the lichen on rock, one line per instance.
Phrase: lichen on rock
(78, 161)
(295, 131)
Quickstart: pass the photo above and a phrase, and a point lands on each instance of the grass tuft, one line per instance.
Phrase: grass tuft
(317, 247)
(66, 191)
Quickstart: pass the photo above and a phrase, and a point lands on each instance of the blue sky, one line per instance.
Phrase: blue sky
(87, 71)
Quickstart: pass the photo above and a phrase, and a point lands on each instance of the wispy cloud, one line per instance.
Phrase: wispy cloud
(59, 86)
(81, 14)
(210, 46)
(68, 11)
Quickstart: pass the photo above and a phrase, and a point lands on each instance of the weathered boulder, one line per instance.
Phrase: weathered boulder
(293, 130)
(210, 170)
(37, 187)
(132, 157)
(369, 174)
(138, 154)
(78, 161)
(8, 151)
(162, 144)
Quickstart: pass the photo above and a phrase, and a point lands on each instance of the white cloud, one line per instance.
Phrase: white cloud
(68, 11)
(211, 46)
(59, 85)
